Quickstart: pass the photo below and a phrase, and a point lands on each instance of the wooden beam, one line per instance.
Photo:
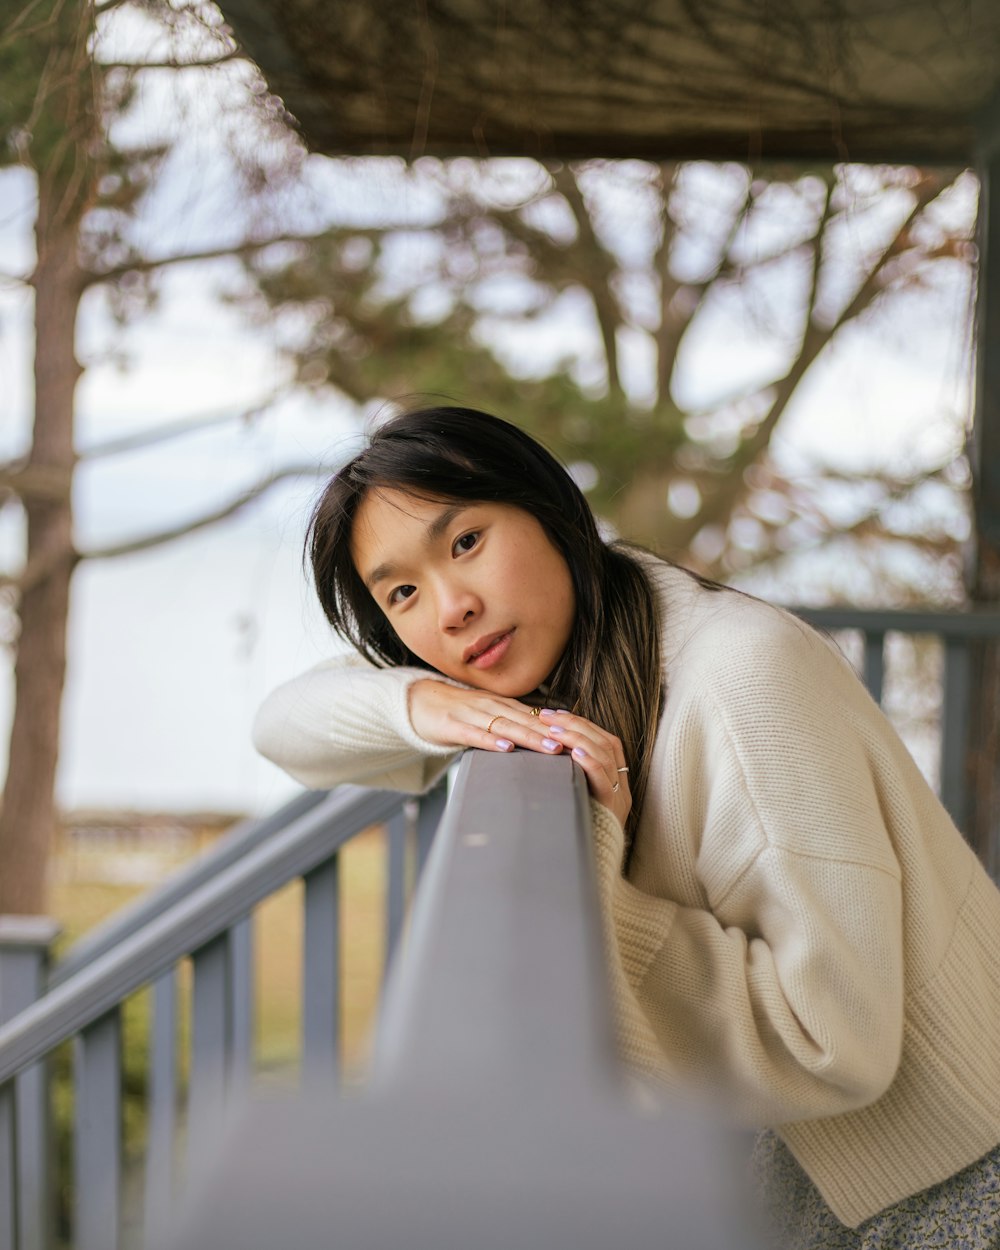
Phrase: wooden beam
(982, 765)
(986, 427)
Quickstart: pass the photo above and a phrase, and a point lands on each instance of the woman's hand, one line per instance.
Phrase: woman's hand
(457, 716)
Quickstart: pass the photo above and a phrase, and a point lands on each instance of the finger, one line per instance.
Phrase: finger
(486, 739)
(611, 781)
(518, 725)
(578, 731)
(613, 795)
(508, 728)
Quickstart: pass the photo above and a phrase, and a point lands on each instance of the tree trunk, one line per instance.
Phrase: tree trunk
(64, 152)
(27, 819)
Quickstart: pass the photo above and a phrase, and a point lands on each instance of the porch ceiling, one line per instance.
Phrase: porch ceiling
(899, 80)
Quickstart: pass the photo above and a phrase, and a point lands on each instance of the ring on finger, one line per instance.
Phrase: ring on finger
(622, 770)
(616, 787)
(489, 727)
(535, 711)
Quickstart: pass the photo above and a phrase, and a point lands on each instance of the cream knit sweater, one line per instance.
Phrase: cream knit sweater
(801, 929)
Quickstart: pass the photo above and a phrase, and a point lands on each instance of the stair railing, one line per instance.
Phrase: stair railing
(205, 913)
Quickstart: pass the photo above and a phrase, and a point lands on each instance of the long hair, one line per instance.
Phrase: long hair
(610, 671)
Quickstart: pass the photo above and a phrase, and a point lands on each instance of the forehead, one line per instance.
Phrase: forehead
(389, 520)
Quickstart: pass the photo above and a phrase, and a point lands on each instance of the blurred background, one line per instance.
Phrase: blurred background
(763, 373)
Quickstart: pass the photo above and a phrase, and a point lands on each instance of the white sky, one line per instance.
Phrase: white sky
(171, 651)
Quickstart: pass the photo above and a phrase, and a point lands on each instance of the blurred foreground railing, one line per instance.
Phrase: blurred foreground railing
(497, 1117)
(205, 912)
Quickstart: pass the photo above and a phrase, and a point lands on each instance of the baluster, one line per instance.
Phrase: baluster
(211, 1043)
(8, 1175)
(97, 1134)
(955, 711)
(321, 972)
(24, 952)
(432, 807)
(396, 836)
(241, 953)
(874, 667)
(159, 1191)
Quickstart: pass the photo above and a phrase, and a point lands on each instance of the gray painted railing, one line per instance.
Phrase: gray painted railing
(502, 993)
(497, 1117)
(229, 848)
(957, 632)
(204, 913)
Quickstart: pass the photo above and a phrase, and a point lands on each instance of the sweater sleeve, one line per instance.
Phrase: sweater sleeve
(347, 721)
(783, 992)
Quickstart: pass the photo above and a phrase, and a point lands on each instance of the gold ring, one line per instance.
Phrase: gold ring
(535, 711)
(490, 725)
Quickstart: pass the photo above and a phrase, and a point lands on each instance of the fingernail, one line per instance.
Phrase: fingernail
(547, 711)
(550, 745)
(505, 744)
(579, 753)
(556, 729)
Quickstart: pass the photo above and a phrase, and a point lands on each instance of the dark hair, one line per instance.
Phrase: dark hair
(610, 672)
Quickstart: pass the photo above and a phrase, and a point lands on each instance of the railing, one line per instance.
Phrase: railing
(958, 632)
(496, 1032)
(206, 912)
(497, 1118)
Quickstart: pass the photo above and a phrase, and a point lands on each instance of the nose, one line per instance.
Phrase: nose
(457, 606)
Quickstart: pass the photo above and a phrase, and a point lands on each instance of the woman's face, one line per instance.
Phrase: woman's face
(478, 591)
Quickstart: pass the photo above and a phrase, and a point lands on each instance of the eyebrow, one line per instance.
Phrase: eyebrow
(434, 531)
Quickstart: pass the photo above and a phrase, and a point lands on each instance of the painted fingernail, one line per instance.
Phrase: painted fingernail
(505, 744)
(556, 729)
(550, 745)
(579, 753)
(547, 711)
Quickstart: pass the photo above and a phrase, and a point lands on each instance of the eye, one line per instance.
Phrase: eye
(466, 542)
(400, 594)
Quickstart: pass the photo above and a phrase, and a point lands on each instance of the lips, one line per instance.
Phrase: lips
(487, 650)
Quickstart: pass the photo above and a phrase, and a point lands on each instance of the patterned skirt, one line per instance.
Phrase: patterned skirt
(961, 1213)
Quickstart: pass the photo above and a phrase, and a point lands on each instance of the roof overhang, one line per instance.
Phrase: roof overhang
(804, 80)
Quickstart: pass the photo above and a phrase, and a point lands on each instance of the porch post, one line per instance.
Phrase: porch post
(25, 942)
(982, 814)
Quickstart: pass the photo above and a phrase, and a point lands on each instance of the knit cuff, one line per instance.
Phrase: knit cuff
(399, 709)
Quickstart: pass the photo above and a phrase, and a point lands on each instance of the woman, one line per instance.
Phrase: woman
(792, 918)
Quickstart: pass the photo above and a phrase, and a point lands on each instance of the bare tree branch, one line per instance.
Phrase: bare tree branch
(245, 498)
(596, 269)
(20, 26)
(36, 481)
(147, 264)
(207, 62)
(681, 301)
(732, 486)
(174, 429)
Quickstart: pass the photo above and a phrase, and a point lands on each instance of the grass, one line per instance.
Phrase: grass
(79, 902)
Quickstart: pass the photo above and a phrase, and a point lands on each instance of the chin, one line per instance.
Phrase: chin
(507, 687)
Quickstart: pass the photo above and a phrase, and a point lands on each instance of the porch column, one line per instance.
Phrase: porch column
(982, 822)
(25, 942)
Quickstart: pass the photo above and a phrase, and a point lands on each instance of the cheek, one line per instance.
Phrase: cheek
(415, 634)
